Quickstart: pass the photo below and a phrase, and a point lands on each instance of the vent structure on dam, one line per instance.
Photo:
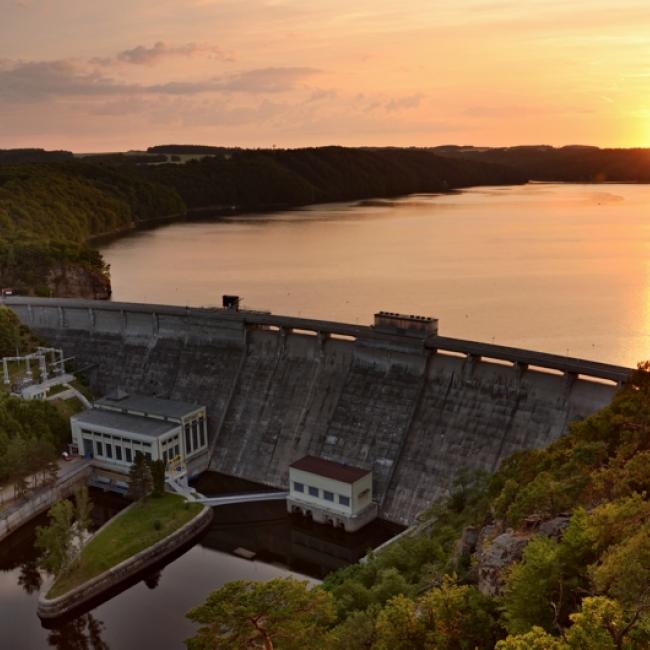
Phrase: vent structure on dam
(398, 399)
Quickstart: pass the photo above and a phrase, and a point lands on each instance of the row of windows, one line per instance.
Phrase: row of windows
(170, 441)
(108, 436)
(315, 492)
(117, 452)
(110, 450)
(195, 435)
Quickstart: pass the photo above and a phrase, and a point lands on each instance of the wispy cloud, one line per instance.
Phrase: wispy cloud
(161, 51)
(406, 102)
(36, 80)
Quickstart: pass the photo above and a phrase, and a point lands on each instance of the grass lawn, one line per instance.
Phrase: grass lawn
(68, 407)
(82, 388)
(127, 534)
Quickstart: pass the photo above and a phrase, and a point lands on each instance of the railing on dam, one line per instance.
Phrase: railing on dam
(246, 497)
(149, 319)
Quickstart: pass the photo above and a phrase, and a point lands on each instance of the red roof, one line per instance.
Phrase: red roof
(330, 469)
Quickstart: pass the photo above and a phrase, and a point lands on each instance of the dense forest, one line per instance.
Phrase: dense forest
(20, 156)
(253, 180)
(32, 433)
(48, 211)
(550, 553)
(573, 164)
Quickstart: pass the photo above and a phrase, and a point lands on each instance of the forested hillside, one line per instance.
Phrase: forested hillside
(48, 211)
(550, 553)
(573, 164)
(268, 178)
(76, 200)
(553, 551)
(32, 433)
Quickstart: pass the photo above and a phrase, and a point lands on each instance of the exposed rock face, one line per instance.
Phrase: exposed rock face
(494, 554)
(74, 281)
(554, 527)
(498, 548)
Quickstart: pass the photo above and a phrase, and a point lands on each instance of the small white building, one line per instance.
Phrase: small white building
(331, 493)
(120, 425)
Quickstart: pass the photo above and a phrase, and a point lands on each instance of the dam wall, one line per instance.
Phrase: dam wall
(414, 410)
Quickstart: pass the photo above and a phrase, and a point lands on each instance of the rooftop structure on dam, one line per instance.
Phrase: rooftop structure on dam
(406, 324)
(393, 397)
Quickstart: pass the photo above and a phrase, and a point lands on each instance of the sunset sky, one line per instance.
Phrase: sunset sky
(97, 75)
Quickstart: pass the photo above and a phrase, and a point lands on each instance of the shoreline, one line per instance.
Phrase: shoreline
(92, 589)
(217, 211)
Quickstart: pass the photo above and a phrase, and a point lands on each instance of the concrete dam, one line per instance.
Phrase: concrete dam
(414, 409)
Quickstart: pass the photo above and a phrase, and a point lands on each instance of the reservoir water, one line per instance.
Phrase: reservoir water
(554, 267)
(151, 612)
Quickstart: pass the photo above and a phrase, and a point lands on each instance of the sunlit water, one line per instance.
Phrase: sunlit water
(558, 268)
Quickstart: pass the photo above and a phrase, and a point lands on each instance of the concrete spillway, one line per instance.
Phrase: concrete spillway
(415, 411)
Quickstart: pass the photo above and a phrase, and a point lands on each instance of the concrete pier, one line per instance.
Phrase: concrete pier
(414, 410)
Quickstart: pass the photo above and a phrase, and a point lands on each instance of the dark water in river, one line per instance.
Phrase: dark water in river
(151, 613)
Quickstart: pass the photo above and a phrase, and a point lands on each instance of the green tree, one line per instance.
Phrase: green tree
(357, 632)
(602, 624)
(282, 614)
(535, 639)
(158, 477)
(458, 617)
(10, 333)
(623, 572)
(54, 541)
(140, 479)
(388, 583)
(530, 595)
(399, 625)
(82, 508)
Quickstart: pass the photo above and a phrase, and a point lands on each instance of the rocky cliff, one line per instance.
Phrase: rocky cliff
(75, 281)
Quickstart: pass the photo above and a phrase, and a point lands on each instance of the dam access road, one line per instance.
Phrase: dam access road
(414, 410)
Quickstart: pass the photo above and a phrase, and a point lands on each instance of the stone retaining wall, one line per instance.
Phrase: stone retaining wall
(61, 605)
(41, 501)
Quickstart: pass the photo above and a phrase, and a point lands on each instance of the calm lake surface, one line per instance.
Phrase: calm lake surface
(151, 613)
(553, 267)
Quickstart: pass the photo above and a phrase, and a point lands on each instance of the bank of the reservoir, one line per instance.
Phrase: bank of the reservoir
(282, 544)
(140, 536)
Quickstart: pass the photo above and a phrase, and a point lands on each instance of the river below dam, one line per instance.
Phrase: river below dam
(151, 612)
(554, 267)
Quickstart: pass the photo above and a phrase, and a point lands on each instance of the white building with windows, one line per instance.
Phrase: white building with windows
(331, 493)
(120, 425)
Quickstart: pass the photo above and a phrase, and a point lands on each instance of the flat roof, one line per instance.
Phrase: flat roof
(136, 424)
(167, 408)
(330, 469)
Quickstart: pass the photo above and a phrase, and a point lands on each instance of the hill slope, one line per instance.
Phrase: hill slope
(573, 164)
(553, 551)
